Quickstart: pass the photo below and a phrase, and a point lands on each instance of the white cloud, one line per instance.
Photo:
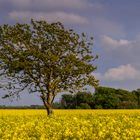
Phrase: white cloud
(120, 50)
(121, 73)
(110, 42)
(67, 18)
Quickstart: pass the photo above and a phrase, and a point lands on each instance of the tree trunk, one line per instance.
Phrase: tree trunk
(48, 108)
(48, 105)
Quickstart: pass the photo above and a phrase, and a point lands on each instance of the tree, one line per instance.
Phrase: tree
(45, 58)
(127, 99)
(68, 101)
(106, 97)
(78, 100)
(137, 93)
(83, 97)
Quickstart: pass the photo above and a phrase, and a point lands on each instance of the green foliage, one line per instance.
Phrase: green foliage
(103, 98)
(68, 101)
(106, 97)
(83, 106)
(45, 58)
(114, 98)
(78, 100)
(84, 98)
(137, 94)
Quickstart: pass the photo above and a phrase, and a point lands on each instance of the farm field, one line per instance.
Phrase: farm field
(70, 125)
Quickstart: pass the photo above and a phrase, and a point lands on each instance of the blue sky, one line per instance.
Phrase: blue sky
(115, 25)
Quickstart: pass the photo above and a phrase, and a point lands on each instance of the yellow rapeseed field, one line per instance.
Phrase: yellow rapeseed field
(70, 125)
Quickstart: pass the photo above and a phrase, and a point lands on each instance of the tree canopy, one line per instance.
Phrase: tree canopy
(45, 58)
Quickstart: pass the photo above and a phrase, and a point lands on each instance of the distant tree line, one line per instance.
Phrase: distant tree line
(22, 107)
(103, 98)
